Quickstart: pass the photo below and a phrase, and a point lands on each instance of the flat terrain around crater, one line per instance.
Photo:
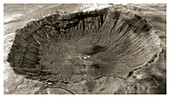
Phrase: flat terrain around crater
(120, 49)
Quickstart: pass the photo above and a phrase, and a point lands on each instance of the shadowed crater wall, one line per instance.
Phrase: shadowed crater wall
(84, 46)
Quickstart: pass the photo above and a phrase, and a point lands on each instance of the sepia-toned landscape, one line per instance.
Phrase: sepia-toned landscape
(84, 49)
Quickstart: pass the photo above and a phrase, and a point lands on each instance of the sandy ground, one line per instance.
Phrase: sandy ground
(17, 16)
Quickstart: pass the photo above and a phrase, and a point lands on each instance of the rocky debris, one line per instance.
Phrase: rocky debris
(118, 42)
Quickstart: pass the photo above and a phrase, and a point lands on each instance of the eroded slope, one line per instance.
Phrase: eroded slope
(84, 46)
